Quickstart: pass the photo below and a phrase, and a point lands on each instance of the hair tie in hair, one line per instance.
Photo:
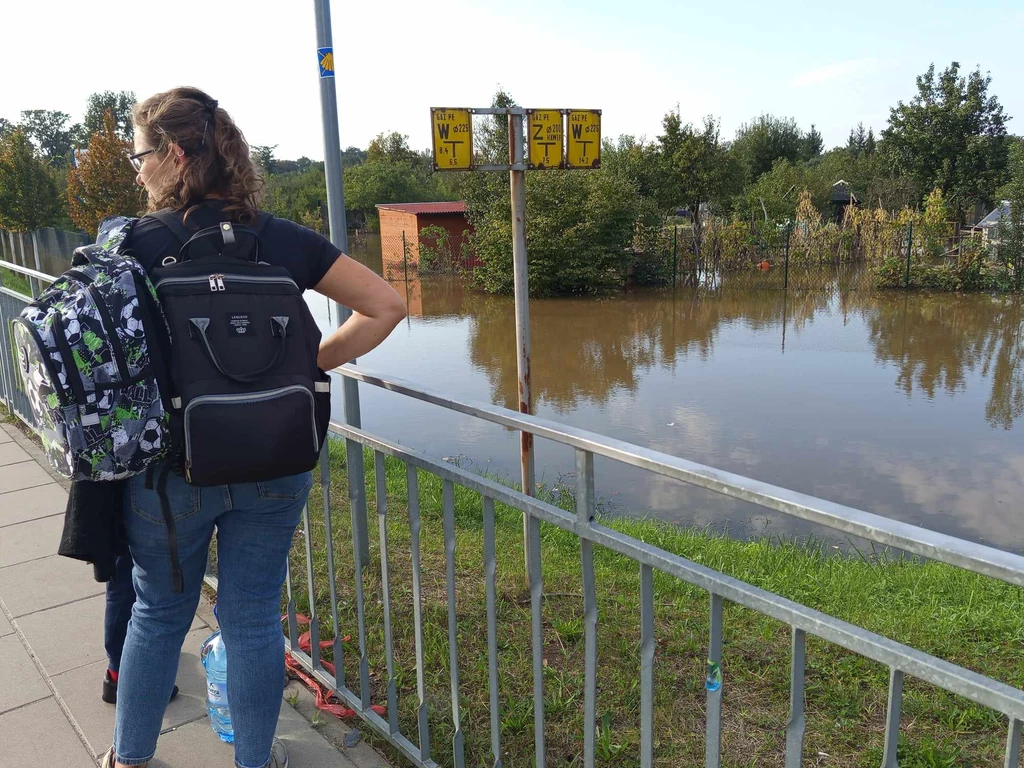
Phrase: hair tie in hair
(212, 106)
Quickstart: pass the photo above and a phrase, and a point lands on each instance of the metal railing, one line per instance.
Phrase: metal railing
(901, 659)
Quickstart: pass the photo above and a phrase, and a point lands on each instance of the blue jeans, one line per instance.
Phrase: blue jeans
(120, 599)
(255, 524)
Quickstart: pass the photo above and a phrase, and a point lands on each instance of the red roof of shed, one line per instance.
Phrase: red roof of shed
(458, 206)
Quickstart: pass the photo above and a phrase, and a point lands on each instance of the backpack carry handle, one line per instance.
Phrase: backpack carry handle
(224, 232)
(202, 324)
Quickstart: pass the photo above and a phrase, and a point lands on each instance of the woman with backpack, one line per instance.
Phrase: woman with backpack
(197, 169)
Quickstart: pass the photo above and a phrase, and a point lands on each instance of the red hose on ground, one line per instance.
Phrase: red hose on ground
(323, 696)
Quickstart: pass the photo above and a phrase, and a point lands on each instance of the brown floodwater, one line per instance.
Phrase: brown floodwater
(908, 406)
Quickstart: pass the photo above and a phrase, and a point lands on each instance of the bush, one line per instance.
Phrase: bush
(580, 225)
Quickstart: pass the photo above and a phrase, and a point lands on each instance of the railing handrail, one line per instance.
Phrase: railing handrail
(924, 666)
(26, 271)
(914, 539)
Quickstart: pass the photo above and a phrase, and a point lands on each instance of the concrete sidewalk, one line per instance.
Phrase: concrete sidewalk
(52, 659)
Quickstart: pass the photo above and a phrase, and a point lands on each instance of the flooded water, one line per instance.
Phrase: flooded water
(906, 406)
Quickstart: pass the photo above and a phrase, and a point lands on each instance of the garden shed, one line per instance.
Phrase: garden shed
(438, 229)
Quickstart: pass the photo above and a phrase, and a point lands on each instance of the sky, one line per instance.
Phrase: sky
(831, 64)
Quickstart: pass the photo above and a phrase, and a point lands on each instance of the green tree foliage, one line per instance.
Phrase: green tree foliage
(580, 224)
(53, 134)
(103, 184)
(299, 195)
(701, 170)
(119, 104)
(392, 173)
(263, 155)
(1010, 232)
(767, 139)
(28, 195)
(951, 135)
(6, 127)
(812, 144)
(641, 164)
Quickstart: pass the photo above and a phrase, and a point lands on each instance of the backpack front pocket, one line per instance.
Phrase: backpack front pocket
(243, 438)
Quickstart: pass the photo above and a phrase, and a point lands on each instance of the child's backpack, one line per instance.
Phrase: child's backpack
(83, 351)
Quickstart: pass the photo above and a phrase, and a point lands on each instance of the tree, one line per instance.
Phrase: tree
(392, 173)
(6, 127)
(643, 165)
(858, 140)
(951, 135)
(581, 225)
(870, 145)
(1010, 233)
(120, 104)
(28, 194)
(263, 154)
(52, 133)
(103, 184)
(812, 144)
(703, 171)
(767, 139)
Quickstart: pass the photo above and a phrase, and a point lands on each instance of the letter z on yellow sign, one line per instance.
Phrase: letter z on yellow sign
(453, 139)
(545, 138)
(584, 141)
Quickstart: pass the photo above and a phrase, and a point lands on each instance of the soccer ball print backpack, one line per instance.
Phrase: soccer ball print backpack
(90, 353)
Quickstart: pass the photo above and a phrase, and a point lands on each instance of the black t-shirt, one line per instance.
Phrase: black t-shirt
(306, 254)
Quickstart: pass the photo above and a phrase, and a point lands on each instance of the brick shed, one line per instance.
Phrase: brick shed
(444, 254)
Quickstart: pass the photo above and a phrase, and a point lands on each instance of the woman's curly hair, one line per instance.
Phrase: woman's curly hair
(218, 161)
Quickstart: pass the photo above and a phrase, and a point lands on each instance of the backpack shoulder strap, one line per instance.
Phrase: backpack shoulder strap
(170, 219)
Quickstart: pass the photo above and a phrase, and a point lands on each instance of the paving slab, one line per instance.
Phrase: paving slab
(25, 474)
(196, 744)
(80, 689)
(4, 436)
(39, 734)
(32, 504)
(5, 626)
(30, 540)
(45, 583)
(22, 683)
(12, 453)
(67, 637)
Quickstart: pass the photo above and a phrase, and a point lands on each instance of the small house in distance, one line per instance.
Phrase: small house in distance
(434, 237)
(842, 198)
(989, 225)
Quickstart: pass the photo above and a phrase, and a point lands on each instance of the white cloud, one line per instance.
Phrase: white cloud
(842, 69)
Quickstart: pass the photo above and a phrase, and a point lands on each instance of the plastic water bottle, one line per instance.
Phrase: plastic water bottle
(215, 660)
(714, 679)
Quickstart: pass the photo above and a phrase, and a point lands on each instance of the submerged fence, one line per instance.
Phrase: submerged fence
(413, 737)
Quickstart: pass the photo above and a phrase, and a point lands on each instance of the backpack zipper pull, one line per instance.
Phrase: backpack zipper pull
(220, 283)
(213, 283)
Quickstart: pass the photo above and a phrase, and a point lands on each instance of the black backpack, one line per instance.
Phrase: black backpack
(246, 399)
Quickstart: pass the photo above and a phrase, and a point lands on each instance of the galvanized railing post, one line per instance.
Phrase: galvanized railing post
(314, 617)
(797, 721)
(1013, 744)
(492, 630)
(422, 722)
(357, 500)
(380, 476)
(713, 747)
(646, 666)
(332, 575)
(892, 718)
(448, 510)
(586, 507)
(537, 639)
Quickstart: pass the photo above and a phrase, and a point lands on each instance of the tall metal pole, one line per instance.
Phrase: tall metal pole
(522, 297)
(339, 230)
(910, 251)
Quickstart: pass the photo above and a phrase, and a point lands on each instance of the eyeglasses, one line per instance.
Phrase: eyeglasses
(136, 159)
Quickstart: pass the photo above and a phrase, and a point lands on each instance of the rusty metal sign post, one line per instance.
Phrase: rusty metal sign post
(537, 140)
